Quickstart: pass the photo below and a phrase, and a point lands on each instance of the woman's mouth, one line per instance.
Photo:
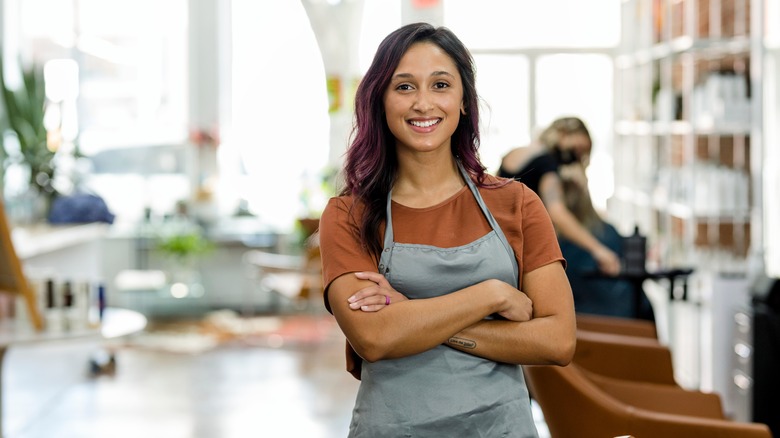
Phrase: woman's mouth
(424, 123)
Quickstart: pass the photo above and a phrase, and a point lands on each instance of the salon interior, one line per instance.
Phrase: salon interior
(165, 163)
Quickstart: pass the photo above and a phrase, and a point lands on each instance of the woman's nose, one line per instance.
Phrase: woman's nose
(423, 102)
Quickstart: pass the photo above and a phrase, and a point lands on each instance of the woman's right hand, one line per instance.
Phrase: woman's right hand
(608, 261)
(517, 306)
(376, 297)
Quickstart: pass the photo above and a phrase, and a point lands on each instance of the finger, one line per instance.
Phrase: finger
(371, 276)
(371, 304)
(372, 308)
(365, 293)
(373, 300)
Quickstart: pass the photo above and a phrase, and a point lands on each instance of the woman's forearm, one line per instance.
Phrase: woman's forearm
(548, 338)
(540, 341)
(413, 326)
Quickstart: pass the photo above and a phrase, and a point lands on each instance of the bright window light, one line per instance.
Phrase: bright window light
(581, 85)
(498, 24)
(380, 17)
(502, 83)
(280, 130)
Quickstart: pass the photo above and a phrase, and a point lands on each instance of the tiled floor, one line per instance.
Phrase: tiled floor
(226, 392)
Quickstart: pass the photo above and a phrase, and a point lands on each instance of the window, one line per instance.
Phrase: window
(514, 24)
(537, 61)
(280, 133)
(131, 64)
(131, 85)
(581, 85)
(503, 85)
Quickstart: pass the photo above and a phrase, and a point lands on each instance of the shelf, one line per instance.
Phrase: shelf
(680, 127)
(44, 238)
(684, 45)
(686, 79)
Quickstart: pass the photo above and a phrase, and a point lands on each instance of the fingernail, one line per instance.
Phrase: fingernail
(351, 299)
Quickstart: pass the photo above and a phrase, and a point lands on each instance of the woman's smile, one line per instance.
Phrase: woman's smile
(424, 125)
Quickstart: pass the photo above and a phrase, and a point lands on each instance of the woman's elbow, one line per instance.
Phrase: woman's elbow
(371, 355)
(371, 349)
(563, 354)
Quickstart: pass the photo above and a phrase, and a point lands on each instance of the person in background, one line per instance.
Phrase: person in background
(443, 278)
(566, 142)
(595, 294)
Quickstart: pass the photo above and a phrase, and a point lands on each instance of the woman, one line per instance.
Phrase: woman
(565, 142)
(443, 278)
(596, 294)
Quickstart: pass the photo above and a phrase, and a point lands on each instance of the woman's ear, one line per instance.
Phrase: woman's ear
(462, 109)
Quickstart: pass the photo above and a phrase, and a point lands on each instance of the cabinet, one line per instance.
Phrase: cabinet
(688, 130)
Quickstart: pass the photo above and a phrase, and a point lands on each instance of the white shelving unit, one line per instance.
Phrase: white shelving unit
(684, 131)
(697, 148)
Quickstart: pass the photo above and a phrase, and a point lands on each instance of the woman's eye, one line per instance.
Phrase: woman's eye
(441, 85)
(403, 87)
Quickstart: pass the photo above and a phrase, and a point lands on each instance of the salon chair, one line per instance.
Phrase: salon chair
(573, 405)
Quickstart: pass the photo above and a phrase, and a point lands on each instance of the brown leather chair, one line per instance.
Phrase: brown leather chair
(657, 397)
(575, 406)
(624, 357)
(616, 325)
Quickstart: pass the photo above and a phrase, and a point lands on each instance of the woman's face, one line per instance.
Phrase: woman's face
(424, 99)
(577, 143)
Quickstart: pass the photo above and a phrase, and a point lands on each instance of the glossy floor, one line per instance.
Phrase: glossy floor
(223, 392)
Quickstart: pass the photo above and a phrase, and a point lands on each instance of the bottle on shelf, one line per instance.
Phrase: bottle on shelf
(635, 253)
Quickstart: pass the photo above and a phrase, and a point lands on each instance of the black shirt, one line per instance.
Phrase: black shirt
(533, 171)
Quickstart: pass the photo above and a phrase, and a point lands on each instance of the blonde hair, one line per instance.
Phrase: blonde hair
(577, 199)
(560, 127)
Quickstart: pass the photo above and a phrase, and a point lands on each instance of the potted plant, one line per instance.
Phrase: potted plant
(181, 245)
(24, 109)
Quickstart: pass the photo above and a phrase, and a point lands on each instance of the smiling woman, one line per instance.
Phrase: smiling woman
(443, 278)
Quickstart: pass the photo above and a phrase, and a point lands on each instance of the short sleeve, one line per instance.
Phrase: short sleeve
(340, 246)
(540, 242)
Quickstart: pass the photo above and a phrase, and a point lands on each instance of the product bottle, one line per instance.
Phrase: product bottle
(67, 305)
(634, 253)
(53, 313)
(101, 300)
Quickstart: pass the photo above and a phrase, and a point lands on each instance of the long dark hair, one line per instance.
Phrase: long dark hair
(371, 163)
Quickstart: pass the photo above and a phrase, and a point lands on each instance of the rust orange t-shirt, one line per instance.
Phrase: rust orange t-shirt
(454, 222)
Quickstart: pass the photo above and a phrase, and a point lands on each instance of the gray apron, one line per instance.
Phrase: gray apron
(443, 392)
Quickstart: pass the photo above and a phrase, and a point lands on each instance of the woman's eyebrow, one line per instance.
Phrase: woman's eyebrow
(436, 73)
(442, 73)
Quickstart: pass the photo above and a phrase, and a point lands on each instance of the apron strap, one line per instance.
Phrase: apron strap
(491, 220)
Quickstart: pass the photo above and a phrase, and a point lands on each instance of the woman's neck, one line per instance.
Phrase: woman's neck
(422, 184)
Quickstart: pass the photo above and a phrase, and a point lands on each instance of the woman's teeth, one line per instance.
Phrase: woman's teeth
(424, 124)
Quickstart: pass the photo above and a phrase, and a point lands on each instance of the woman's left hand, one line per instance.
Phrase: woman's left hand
(376, 297)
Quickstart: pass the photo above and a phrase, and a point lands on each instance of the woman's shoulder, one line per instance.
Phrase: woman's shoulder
(341, 201)
(502, 186)
(340, 207)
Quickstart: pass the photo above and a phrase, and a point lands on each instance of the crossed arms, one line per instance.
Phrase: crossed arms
(539, 324)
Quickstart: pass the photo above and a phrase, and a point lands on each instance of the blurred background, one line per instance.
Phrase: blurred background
(171, 158)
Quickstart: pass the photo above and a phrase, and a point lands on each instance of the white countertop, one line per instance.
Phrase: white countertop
(33, 240)
(116, 323)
